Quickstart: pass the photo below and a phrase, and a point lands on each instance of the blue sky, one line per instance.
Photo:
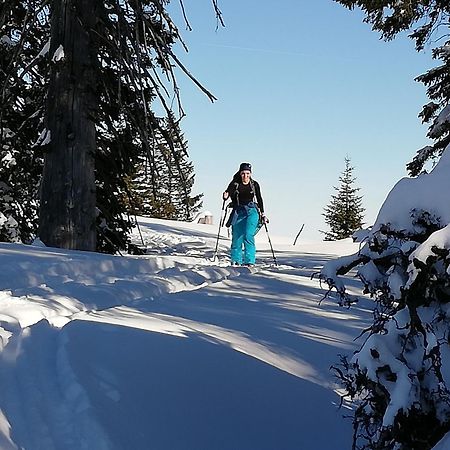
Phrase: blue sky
(300, 85)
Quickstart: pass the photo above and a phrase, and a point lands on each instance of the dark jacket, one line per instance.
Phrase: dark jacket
(241, 194)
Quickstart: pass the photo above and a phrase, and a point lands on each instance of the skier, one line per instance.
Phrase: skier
(246, 217)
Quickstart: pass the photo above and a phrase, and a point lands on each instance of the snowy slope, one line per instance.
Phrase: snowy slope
(172, 350)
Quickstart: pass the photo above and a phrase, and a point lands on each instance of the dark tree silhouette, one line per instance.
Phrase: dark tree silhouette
(344, 214)
(78, 84)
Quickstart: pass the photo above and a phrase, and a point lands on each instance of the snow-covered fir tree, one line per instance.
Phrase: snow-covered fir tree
(399, 380)
(344, 214)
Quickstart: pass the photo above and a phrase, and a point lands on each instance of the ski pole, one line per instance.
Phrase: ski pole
(218, 232)
(270, 243)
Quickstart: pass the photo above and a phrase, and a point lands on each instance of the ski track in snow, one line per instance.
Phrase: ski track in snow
(173, 290)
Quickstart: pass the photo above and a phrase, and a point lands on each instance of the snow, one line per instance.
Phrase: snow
(440, 122)
(439, 239)
(6, 41)
(411, 203)
(8, 160)
(417, 194)
(409, 243)
(445, 48)
(9, 223)
(201, 216)
(59, 54)
(171, 350)
(405, 390)
(47, 138)
(45, 49)
(332, 267)
(44, 138)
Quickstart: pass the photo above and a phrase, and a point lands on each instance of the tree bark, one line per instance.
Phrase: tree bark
(68, 203)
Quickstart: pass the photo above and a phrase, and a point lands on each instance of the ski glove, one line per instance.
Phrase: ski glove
(264, 219)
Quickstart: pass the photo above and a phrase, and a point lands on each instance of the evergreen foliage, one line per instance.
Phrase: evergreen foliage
(398, 379)
(131, 57)
(22, 99)
(428, 22)
(162, 185)
(344, 214)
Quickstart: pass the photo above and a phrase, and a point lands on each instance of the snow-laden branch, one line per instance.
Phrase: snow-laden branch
(399, 379)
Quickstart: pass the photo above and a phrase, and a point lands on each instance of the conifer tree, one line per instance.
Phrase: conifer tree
(344, 214)
(162, 187)
(428, 23)
(22, 99)
(78, 84)
(398, 379)
(181, 178)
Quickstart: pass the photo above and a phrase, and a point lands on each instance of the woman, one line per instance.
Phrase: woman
(245, 195)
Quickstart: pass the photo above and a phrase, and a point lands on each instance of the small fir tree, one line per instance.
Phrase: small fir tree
(344, 214)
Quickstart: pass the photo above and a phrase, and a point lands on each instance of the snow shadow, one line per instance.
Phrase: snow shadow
(47, 406)
(310, 260)
(150, 390)
(264, 317)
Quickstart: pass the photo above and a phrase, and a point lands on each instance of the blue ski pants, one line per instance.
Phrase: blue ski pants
(244, 228)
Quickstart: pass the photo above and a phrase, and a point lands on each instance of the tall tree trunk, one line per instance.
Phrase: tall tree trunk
(67, 212)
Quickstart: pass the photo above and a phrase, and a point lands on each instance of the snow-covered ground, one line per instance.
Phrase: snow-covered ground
(172, 350)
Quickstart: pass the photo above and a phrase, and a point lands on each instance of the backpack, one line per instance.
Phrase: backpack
(235, 200)
(237, 180)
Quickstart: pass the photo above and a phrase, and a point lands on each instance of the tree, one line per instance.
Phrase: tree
(162, 187)
(344, 214)
(100, 67)
(180, 179)
(428, 22)
(22, 98)
(398, 380)
(67, 209)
